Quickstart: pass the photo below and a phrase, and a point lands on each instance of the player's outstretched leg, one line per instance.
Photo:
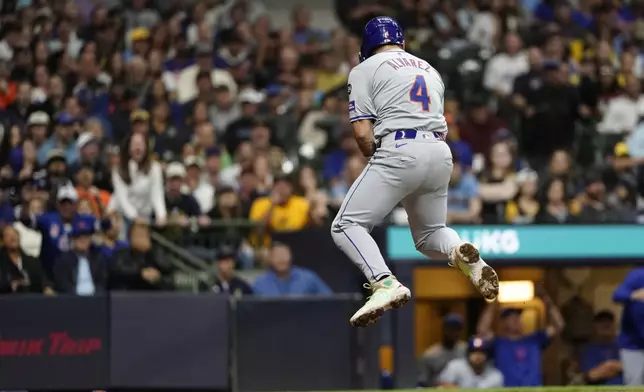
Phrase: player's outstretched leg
(467, 258)
(387, 294)
(462, 255)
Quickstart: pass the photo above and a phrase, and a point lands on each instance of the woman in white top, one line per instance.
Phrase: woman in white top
(30, 239)
(138, 183)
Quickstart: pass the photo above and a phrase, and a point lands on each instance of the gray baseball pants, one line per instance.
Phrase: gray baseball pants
(632, 366)
(413, 172)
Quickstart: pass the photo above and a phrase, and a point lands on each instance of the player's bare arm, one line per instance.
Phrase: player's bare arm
(363, 133)
(557, 322)
(484, 326)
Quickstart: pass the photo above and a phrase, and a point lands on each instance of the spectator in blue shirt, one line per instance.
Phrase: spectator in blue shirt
(82, 270)
(227, 282)
(631, 337)
(463, 201)
(63, 138)
(111, 231)
(473, 372)
(57, 226)
(517, 355)
(599, 360)
(284, 279)
(335, 161)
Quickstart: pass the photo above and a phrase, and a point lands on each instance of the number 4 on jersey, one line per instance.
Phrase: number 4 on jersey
(419, 93)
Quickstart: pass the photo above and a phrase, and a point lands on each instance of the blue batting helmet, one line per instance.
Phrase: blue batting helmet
(379, 31)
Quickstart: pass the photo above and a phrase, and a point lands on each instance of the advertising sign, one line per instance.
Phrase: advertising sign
(535, 242)
(53, 343)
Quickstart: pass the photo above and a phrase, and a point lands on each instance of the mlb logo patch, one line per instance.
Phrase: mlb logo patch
(352, 106)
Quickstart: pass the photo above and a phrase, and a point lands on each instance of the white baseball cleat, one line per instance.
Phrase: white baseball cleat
(387, 294)
(467, 258)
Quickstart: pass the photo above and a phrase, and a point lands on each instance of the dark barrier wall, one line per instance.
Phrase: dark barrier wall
(316, 349)
(183, 342)
(48, 343)
(169, 340)
(314, 248)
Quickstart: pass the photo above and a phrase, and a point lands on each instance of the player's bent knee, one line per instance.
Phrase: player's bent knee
(337, 234)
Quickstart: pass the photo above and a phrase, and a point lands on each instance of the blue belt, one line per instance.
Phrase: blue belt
(402, 134)
(406, 134)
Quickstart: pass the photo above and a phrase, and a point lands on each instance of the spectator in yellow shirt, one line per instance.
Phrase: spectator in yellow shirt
(281, 211)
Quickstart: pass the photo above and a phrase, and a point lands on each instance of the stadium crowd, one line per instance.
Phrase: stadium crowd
(178, 114)
(122, 118)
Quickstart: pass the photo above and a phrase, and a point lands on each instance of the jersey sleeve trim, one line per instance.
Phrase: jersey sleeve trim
(363, 117)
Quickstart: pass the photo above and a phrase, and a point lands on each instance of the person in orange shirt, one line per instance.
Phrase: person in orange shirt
(98, 198)
(7, 87)
(281, 211)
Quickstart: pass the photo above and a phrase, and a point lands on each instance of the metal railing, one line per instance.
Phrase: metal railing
(191, 272)
(218, 233)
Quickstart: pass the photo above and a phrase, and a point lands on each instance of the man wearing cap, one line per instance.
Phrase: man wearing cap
(202, 189)
(53, 176)
(517, 355)
(82, 270)
(438, 355)
(239, 130)
(140, 120)
(166, 141)
(139, 39)
(90, 156)
(63, 138)
(631, 336)
(226, 110)
(110, 240)
(186, 86)
(474, 371)
(37, 125)
(57, 226)
(181, 207)
(227, 282)
(99, 199)
(599, 359)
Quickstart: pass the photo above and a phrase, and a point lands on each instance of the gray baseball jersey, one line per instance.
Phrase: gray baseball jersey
(397, 90)
(403, 96)
(460, 373)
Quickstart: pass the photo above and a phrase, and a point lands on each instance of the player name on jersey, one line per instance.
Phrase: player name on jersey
(397, 63)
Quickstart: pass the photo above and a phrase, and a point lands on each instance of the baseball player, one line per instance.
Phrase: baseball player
(396, 109)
